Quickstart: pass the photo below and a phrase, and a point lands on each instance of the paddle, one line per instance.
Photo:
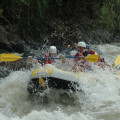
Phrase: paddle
(68, 50)
(117, 61)
(12, 57)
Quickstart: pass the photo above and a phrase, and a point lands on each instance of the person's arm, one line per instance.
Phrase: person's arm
(107, 64)
(63, 59)
(76, 45)
(34, 61)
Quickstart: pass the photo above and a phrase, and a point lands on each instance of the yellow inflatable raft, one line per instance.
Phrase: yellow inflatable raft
(52, 77)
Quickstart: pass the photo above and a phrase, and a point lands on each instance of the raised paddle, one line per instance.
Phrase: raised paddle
(68, 50)
(117, 61)
(12, 57)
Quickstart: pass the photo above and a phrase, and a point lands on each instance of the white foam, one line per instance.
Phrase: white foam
(101, 88)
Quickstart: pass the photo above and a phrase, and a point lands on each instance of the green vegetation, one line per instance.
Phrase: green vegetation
(27, 15)
(111, 13)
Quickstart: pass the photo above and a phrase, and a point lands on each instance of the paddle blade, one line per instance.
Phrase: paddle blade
(92, 58)
(117, 61)
(9, 57)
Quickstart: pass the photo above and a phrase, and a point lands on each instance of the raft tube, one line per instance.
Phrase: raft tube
(44, 78)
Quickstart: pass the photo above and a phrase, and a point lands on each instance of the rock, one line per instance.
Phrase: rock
(68, 32)
(4, 72)
(12, 42)
(5, 47)
(17, 65)
(18, 45)
(116, 39)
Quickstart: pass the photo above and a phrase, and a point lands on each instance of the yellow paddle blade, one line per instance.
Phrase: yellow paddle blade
(92, 58)
(9, 57)
(117, 61)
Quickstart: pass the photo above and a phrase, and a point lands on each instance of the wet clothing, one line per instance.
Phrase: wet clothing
(92, 51)
(101, 60)
(82, 63)
(88, 51)
(81, 54)
(85, 53)
(47, 61)
(78, 55)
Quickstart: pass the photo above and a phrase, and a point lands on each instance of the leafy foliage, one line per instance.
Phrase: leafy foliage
(111, 14)
(1, 11)
(26, 15)
(59, 2)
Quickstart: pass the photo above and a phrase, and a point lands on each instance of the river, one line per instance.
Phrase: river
(101, 99)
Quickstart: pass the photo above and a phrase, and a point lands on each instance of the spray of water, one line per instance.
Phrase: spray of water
(100, 99)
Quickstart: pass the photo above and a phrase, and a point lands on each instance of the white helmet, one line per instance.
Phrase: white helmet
(52, 49)
(82, 44)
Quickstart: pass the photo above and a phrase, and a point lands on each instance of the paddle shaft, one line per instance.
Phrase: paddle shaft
(50, 57)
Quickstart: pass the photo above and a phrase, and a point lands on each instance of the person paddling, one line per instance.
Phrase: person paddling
(83, 50)
(81, 46)
(52, 52)
(81, 53)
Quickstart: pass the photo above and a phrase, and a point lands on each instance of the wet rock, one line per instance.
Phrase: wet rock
(116, 39)
(19, 45)
(11, 42)
(5, 47)
(61, 33)
(4, 72)
(68, 32)
(4, 42)
(19, 64)
(3, 51)
(7, 67)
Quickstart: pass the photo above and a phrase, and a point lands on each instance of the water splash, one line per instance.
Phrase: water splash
(101, 99)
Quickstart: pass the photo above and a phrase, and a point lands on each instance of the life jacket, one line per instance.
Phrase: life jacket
(100, 62)
(84, 53)
(47, 61)
(101, 59)
(88, 51)
(92, 51)
(79, 55)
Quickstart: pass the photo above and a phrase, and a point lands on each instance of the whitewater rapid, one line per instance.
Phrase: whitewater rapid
(101, 99)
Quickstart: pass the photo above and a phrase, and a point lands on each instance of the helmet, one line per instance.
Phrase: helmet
(52, 49)
(82, 44)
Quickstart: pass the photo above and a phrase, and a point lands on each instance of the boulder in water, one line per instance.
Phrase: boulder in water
(4, 72)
